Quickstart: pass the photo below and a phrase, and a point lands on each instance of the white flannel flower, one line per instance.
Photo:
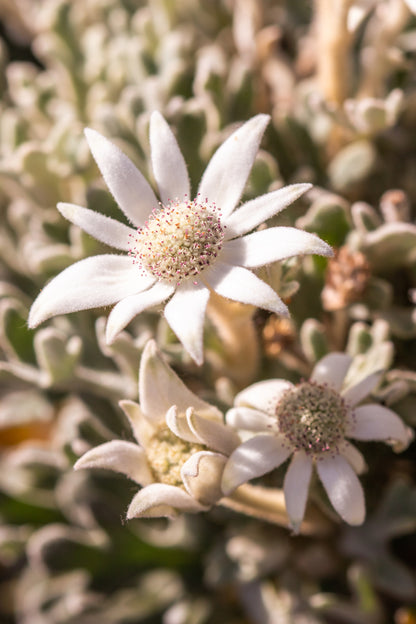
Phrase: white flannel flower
(182, 248)
(311, 421)
(182, 445)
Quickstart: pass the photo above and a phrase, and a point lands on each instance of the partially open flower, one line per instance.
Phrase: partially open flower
(182, 445)
(311, 421)
(183, 248)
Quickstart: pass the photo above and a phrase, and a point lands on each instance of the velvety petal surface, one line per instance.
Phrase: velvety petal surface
(131, 306)
(376, 422)
(357, 393)
(353, 456)
(119, 456)
(104, 229)
(252, 459)
(263, 395)
(201, 475)
(296, 486)
(185, 313)
(343, 488)
(142, 428)
(267, 246)
(169, 166)
(130, 189)
(257, 211)
(239, 284)
(214, 435)
(159, 500)
(331, 370)
(91, 283)
(249, 419)
(226, 174)
(160, 388)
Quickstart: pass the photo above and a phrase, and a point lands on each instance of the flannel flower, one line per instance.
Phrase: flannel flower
(182, 445)
(311, 422)
(182, 248)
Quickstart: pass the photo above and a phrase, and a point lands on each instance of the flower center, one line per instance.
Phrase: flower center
(179, 240)
(166, 454)
(312, 417)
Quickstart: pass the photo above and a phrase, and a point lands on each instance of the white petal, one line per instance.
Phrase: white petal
(168, 163)
(226, 174)
(119, 456)
(129, 307)
(357, 393)
(263, 395)
(376, 422)
(353, 457)
(343, 488)
(178, 424)
(252, 459)
(130, 189)
(271, 245)
(185, 314)
(257, 211)
(90, 283)
(158, 500)
(142, 428)
(104, 229)
(249, 419)
(201, 475)
(160, 388)
(412, 5)
(331, 370)
(241, 285)
(296, 486)
(214, 435)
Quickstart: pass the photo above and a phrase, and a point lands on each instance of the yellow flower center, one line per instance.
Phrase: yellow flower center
(312, 417)
(179, 240)
(166, 454)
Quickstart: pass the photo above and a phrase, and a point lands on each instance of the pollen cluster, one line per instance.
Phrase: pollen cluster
(166, 454)
(179, 240)
(312, 418)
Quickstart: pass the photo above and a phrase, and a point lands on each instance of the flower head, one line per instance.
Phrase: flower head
(311, 421)
(182, 445)
(182, 248)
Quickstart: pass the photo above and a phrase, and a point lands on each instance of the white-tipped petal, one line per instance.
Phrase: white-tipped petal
(168, 163)
(239, 284)
(249, 419)
(267, 246)
(129, 307)
(331, 370)
(142, 428)
(357, 393)
(214, 435)
(90, 283)
(161, 500)
(185, 314)
(353, 456)
(263, 395)
(226, 174)
(252, 459)
(119, 456)
(376, 422)
(343, 488)
(130, 189)
(201, 475)
(104, 229)
(160, 388)
(296, 486)
(257, 211)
